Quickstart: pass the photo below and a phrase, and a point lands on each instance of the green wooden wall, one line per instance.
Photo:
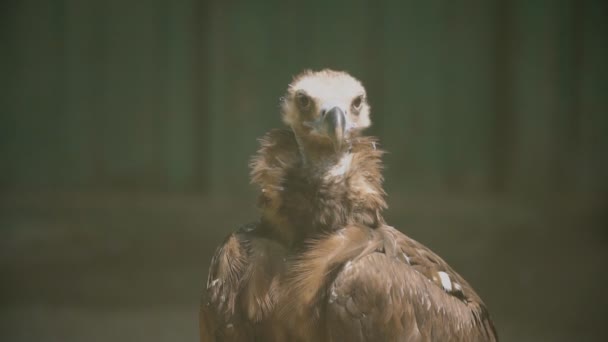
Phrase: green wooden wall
(169, 96)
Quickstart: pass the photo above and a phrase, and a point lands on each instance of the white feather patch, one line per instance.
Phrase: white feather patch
(445, 281)
(366, 188)
(407, 258)
(213, 283)
(342, 167)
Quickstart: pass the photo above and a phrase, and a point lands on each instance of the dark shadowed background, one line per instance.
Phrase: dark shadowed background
(126, 128)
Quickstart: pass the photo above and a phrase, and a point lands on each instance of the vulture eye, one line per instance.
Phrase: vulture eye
(303, 101)
(357, 102)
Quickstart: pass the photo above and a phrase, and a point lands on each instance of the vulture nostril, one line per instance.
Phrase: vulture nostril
(323, 112)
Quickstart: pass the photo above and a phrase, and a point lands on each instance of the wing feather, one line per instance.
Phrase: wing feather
(220, 318)
(404, 297)
(240, 293)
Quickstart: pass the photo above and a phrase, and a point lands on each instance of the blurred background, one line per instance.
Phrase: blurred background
(126, 128)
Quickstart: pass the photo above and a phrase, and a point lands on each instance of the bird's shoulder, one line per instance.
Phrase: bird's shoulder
(243, 272)
(410, 290)
(226, 272)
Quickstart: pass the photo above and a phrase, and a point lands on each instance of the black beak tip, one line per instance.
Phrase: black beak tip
(336, 120)
(335, 123)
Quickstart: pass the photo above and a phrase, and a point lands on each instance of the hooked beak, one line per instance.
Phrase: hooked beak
(334, 125)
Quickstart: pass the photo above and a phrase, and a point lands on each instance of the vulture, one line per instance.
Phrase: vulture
(321, 263)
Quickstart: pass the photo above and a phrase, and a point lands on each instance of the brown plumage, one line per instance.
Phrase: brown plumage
(321, 264)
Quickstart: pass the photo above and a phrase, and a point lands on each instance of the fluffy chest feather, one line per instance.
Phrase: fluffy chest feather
(301, 199)
(316, 201)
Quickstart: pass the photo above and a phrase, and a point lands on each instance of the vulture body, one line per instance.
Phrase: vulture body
(321, 264)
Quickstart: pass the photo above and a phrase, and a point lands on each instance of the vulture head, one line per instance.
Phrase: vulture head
(321, 173)
(326, 110)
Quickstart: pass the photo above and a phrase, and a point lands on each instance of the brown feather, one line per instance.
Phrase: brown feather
(298, 203)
